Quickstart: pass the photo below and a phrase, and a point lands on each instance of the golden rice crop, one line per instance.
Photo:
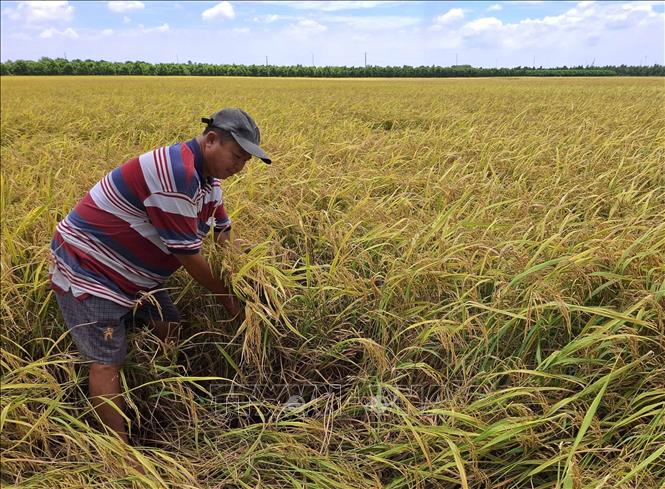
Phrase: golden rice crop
(465, 279)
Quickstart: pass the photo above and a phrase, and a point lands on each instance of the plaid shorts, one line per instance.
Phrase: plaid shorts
(99, 326)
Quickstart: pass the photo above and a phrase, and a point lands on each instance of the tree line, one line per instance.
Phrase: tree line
(62, 66)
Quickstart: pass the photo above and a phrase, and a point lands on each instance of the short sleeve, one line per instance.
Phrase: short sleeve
(174, 216)
(222, 220)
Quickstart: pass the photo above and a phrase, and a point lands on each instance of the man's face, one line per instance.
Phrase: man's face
(223, 159)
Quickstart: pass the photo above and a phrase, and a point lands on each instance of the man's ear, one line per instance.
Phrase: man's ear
(210, 137)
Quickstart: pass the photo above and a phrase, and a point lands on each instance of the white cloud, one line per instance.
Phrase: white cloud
(270, 18)
(147, 30)
(638, 7)
(222, 9)
(121, 7)
(324, 6)
(584, 26)
(41, 12)
(374, 23)
(306, 27)
(453, 15)
(107, 32)
(494, 8)
(312, 24)
(126, 20)
(69, 33)
(240, 30)
(483, 24)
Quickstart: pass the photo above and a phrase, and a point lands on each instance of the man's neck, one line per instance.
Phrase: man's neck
(200, 140)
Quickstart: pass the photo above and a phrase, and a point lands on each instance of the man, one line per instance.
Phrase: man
(137, 226)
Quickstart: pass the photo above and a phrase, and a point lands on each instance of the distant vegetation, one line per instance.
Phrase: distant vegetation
(61, 66)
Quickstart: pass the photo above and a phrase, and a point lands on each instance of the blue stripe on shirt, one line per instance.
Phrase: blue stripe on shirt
(184, 185)
(198, 161)
(123, 188)
(173, 235)
(203, 228)
(72, 261)
(84, 226)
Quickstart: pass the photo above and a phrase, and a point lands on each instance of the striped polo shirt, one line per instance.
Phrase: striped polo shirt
(121, 238)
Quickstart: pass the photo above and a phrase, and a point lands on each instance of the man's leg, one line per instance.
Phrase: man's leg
(97, 327)
(104, 389)
(161, 315)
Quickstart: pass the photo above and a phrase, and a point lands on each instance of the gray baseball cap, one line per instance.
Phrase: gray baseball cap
(243, 129)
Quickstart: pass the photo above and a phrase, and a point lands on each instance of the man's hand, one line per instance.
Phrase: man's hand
(232, 306)
(224, 238)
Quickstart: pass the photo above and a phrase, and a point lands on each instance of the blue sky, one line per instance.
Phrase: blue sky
(339, 33)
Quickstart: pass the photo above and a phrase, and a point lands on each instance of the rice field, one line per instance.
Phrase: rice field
(448, 283)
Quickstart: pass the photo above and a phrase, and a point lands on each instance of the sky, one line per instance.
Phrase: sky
(391, 33)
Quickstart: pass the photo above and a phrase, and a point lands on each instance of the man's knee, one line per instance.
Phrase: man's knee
(105, 367)
(104, 372)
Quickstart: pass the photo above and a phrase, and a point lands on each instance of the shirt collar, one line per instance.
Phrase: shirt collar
(198, 160)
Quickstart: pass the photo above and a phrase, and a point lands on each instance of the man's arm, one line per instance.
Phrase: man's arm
(199, 269)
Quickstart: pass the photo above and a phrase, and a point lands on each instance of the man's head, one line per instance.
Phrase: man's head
(230, 138)
(222, 155)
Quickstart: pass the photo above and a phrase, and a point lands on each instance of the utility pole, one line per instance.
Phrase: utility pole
(365, 59)
(455, 59)
(312, 59)
(177, 60)
(534, 62)
(266, 60)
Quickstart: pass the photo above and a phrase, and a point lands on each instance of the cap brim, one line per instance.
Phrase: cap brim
(252, 149)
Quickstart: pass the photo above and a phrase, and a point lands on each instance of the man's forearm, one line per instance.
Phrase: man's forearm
(199, 269)
(197, 266)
